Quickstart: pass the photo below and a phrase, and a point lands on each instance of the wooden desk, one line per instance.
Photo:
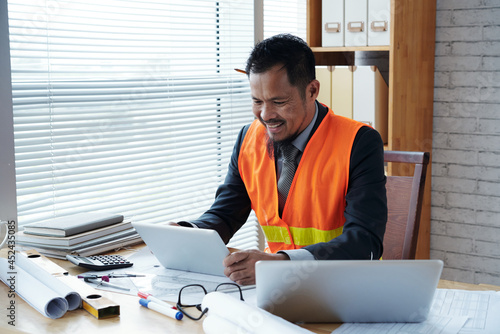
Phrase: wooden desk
(133, 317)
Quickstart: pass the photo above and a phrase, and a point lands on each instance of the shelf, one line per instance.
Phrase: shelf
(411, 83)
(342, 55)
(350, 48)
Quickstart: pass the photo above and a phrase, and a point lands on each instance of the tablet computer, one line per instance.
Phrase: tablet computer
(184, 248)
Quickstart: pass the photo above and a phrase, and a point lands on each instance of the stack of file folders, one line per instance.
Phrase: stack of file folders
(82, 234)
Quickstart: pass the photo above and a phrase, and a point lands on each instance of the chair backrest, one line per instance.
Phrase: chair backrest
(404, 204)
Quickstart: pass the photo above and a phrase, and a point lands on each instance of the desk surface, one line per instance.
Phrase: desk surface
(133, 317)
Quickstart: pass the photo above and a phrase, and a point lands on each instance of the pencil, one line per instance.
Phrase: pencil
(241, 71)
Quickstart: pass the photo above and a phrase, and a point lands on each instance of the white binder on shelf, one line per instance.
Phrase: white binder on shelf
(342, 88)
(335, 88)
(370, 99)
(324, 76)
(332, 19)
(379, 20)
(355, 21)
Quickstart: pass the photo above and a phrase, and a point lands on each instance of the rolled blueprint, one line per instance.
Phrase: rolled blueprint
(72, 297)
(217, 325)
(245, 317)
(34, 292)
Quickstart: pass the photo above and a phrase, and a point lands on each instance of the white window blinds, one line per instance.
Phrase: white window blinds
(131, 106)
(126, 106)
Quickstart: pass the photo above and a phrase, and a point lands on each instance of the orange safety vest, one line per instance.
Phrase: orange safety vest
(314, 210)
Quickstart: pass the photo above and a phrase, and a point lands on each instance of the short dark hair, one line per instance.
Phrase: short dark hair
(290, 51)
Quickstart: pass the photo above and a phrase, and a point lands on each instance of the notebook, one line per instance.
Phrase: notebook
(183, 248)
(73, 224)
(348, 291)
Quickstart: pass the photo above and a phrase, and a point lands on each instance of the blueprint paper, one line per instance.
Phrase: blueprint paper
(72, 297)
(158, 281)
(452, 312)
(482, 308)
(433, 325)
(218, 325)
(245, 318)
(34, 292)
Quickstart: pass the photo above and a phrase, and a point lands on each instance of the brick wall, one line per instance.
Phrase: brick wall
(465, 214)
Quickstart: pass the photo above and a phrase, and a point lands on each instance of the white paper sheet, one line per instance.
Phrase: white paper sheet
(482, 308)
(160, 282)
(218, 325)
(452, 312)
(248, 318)
(433, 325)
(72, 297)
(34, 292)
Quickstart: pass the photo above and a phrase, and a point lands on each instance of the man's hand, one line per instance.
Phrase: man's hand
(240, 266)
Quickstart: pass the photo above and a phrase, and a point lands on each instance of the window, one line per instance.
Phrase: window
(129, 106)
(126, 105)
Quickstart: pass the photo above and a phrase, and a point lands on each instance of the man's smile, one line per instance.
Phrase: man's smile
(274, 125)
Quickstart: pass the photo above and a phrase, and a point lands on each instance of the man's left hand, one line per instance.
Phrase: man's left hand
(240, 266)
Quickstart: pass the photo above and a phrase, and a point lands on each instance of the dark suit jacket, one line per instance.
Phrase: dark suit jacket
(365, 212)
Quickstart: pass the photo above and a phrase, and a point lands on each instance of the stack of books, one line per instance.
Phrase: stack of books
(82, 234)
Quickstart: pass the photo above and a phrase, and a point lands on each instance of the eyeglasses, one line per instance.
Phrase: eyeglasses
(187, 292)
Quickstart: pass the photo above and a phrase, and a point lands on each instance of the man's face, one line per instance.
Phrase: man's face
(279, 106)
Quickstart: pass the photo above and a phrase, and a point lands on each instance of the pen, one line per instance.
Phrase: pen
(110, 276)
(150, 297)
(105, 283)
(168, 311)
(124, 275)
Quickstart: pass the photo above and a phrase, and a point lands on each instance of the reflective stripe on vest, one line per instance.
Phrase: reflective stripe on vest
(314, 210)
(302, 236)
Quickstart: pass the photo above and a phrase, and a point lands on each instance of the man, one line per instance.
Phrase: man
(336, 204)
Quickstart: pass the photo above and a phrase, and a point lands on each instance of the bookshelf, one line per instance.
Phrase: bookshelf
(411, 83)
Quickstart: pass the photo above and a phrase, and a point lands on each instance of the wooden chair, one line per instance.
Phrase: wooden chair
(404, 204)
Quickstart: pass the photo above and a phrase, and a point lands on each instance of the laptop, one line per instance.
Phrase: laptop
(183, 248)
(348, 291)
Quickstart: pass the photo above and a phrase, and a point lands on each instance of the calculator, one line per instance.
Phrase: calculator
(100, 262)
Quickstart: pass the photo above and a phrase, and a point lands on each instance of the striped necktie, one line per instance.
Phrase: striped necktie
(289, 165)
